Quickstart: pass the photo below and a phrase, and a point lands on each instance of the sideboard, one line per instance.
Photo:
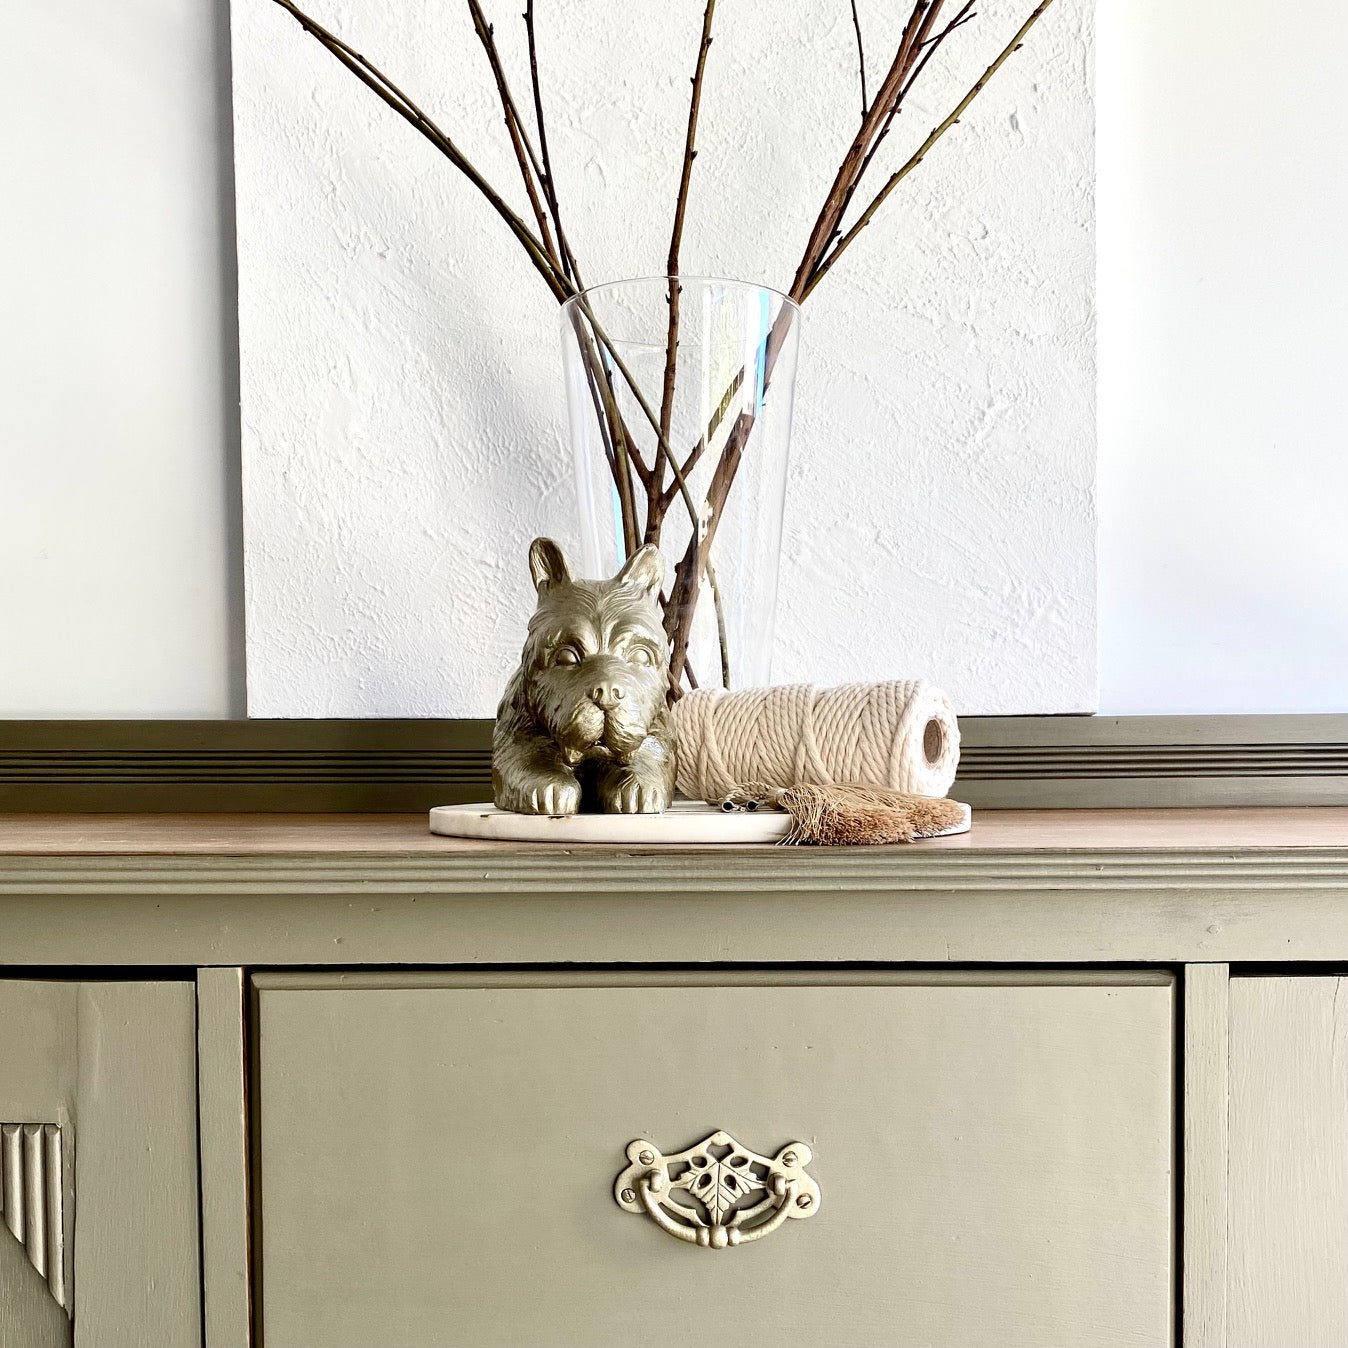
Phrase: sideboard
(1075, 1078)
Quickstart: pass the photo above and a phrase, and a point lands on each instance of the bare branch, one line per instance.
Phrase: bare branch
(625, 461)
(861, 61)
(930, 46)
(672, 270)
(695, 561)
(549, 182)
(375, 79)
(845, 180)
(718, 415)
(919, 41)
(519, 137)
(896, 178)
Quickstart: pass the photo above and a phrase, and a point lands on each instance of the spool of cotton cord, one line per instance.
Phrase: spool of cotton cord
(901, 734)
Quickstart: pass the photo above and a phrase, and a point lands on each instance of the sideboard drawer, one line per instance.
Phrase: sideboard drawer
(438, 1154)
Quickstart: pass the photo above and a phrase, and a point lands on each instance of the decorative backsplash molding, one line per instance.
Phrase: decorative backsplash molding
(1043, 762)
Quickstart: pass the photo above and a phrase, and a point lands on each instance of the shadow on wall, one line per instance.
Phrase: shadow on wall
(232, 458)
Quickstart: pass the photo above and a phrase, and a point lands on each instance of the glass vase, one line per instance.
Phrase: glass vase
(689, 453)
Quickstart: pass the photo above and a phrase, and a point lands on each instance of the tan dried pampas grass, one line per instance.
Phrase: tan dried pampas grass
(850, 814)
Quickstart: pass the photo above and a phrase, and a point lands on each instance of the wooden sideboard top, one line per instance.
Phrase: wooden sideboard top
(1217, 830)
(1043, 887)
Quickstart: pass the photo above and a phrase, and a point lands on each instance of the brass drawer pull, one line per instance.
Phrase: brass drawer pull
(729, 1194)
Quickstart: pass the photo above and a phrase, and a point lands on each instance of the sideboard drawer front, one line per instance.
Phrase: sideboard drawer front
(993, 1159)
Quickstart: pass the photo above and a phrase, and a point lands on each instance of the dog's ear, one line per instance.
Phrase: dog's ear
(645, 567)
(546, 564)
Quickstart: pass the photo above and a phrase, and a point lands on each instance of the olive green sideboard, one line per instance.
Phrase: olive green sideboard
(1073, 1079)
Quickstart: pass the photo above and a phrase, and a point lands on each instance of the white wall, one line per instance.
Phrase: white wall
(1223, 287)
(1223, 284)
(118, 593)
(403, 412)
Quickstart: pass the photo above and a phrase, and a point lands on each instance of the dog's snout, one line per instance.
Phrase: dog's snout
(606, 694)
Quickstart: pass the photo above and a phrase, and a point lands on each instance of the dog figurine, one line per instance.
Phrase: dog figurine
(583, 725)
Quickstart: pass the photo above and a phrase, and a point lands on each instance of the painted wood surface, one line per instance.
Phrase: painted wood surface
(1215, 830)
(1016, 762)
(137, 1251)
(113, 1065)
(1205, 1060)
(223, 1115)
(29, 1317)
(379, 919)
(1075, 887)
(39, 1056)
(1289, 1163)
(995, 1161)
(34, 1189)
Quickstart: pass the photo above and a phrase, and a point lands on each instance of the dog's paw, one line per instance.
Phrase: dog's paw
(541, 793)
(631, 794)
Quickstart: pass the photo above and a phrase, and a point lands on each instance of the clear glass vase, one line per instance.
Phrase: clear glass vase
(690, 454)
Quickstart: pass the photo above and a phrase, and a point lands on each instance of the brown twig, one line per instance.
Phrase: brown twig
(519, 138)
(958, 21)
(622, 456)
(921, 43)
(861, 60)
(376, 80)
(664, 452)
(916, 40)
(683, 594)
(653, 514)
(704, 440)
(662, 448)
(624, 461)
(844, 181)
(930, 46)
(899, 175)
(549, 182)
(688, 573)
(875, 121)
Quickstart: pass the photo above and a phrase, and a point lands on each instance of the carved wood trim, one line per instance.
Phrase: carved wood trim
(33, 1201)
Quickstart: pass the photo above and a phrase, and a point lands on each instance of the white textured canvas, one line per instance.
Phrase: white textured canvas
(403, 408)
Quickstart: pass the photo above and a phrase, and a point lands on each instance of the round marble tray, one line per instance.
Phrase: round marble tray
(687, 822)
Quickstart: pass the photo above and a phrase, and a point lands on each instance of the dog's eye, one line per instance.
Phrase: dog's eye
(568, 655)
(641, 655)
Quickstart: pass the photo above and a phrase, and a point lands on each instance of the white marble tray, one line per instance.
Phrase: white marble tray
(687, 822)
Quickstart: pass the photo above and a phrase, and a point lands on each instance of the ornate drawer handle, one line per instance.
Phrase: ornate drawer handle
(735, 1194)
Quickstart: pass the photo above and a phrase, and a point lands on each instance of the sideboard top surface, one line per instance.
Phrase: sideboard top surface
(1040, 887)
(393, 835)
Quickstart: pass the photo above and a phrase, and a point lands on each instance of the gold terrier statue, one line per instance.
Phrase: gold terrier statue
(583, 725)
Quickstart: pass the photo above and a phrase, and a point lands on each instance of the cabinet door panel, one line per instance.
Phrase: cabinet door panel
(98, 1164)
(137, 1231)
(1287, 1253)
(437, 1162)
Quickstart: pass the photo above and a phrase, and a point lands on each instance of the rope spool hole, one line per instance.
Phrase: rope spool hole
(933, 742)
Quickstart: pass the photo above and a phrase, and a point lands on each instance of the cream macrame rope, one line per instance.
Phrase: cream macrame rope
(901, 734)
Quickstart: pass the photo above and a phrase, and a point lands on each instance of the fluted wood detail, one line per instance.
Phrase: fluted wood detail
(32, 1198)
